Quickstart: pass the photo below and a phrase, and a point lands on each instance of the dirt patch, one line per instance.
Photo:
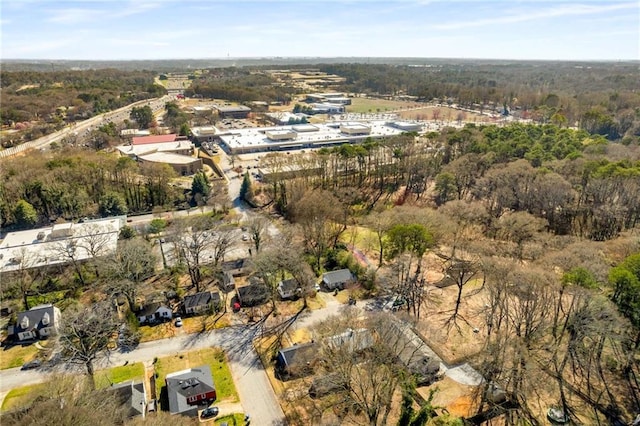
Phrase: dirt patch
(457, 398)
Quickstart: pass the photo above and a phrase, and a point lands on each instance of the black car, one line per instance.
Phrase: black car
(32, 364)
(207, 413)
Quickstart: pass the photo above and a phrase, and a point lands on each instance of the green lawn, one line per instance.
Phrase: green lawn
(231, 419)
(21, 396)
(105, 378)
(214, 358)
(15, 356)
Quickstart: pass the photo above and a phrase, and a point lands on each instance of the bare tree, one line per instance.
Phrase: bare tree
(258, 227)
(95, 243)
(368, 360)
(199, 239)
(133, 262)
(69, 251)
(70, 400)
(85, 335)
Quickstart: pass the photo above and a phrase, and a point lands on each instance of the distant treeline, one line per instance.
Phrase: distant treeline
(602, 98)
(240, 85)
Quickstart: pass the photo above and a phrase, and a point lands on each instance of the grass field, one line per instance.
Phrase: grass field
(231, 419)
(19, 397)
(105, 378)
(362, 105)
(15, 356)
(214, 358)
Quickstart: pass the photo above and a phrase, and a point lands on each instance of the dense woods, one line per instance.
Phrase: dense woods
(74, 184)
(239, 85)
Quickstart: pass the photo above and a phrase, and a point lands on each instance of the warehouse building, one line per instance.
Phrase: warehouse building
(300, 136)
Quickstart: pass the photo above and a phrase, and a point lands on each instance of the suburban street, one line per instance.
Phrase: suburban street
(256, 394)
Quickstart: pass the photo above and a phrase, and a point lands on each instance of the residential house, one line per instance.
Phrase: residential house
(253, 294)
(228, 282)
(337, 280)
(132, 395)
(289, 289)
(238, 267)
(296, 361)
(351, 340)
(38, 322)
(187, 390)
(201, 303)
(154, 312)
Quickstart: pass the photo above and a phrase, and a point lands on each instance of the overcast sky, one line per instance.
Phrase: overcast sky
(175, 29)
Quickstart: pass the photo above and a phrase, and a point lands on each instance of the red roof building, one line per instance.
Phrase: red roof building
(143, 140)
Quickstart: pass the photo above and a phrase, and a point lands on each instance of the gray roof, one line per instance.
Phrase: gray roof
(236, 108)
(186, 383)
(33, 318)
(132, 395)
(204, 298)
(288, 357)
(288, 287)
(337, 277)
(149, 309)
(351, 340)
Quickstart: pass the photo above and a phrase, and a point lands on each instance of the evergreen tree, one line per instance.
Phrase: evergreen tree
(200, 185)
(246, 190)
(25, 214)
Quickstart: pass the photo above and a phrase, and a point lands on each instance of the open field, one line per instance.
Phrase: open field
(364, 105)
(123, 373)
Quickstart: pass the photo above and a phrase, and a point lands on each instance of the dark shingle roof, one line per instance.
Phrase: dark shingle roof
(337, 277)
(253, 294)
(303, 353)
(34, 317)
(182, 384)
(149, 309)
(288, 285)
(132, 395)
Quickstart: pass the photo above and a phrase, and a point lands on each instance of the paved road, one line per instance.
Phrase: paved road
(82, 127)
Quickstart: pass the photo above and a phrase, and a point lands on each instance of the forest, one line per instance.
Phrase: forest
(39, 103)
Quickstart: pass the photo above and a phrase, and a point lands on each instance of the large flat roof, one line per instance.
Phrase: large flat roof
(256, 138)
(145, 140)
(44, 246)
(155, 147)
(168, 157)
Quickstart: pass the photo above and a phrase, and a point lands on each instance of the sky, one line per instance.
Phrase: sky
(203, 29)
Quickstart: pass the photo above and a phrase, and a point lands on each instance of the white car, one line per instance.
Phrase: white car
(178, 322)
(245, 237)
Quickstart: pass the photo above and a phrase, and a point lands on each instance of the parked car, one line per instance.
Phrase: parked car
(31, 364)
(207, 413)
(178, 322)
(245, 237)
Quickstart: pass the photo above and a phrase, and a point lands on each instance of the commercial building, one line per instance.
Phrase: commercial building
(237, 111)
(184, 165)
(53, 245)
(300, 136)
(165, 149)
